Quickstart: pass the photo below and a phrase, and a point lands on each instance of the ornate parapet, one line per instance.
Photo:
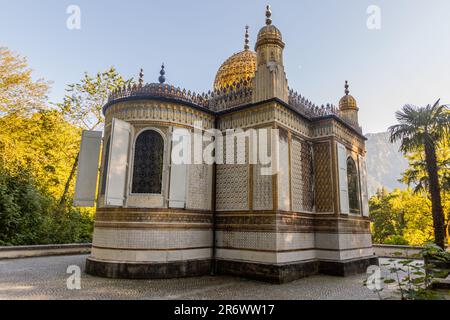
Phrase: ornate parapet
(310, 110)
(231, 99)
(161, 91)
(226, 98)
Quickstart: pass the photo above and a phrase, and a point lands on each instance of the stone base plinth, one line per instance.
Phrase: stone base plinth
(283, 273)
(178, 269)
(347, 267)
(274, 273)
(268, 272)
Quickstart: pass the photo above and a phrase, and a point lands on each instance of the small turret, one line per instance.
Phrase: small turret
(270, 79)
(348, 107)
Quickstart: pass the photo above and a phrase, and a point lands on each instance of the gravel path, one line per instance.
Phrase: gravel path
(46, 278)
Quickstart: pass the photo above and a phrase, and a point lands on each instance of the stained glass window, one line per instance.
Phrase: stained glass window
(105, 169)
(148, 163)
(353, 186)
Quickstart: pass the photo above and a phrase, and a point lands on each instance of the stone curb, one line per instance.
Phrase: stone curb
(12, 252)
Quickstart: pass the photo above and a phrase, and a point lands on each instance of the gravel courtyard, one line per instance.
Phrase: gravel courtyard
(45, 278)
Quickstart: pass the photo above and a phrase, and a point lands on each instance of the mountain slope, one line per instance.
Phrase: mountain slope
(384, 162)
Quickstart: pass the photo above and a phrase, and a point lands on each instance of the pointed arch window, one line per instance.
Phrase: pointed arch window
(353, 187)
(148, 163)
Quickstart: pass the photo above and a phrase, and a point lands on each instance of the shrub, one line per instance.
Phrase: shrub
(396, 240)
(29, 217)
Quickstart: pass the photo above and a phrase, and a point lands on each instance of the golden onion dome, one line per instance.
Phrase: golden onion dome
(240, 66)
(347, 102)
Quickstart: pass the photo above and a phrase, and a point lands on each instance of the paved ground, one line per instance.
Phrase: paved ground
(45, 278)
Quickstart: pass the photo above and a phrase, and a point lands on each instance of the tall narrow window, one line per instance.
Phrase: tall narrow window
(105, 168)
(148, 163)
(353, 186)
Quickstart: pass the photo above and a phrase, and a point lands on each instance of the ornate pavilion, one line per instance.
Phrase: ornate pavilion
(157, 219)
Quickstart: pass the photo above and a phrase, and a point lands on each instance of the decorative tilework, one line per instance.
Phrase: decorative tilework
(231, 187)
(296, 175)
(307, 177)
(283, 175)
(323, 182)
(199, 187)
(232, 180)
(151, 238)
(262, 190)
(262, 184)
(302, 176)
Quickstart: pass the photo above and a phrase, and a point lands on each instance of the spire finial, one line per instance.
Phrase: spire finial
(268, 15)
(141, 78)
(246, 41)
(162, 78)
(346, 88)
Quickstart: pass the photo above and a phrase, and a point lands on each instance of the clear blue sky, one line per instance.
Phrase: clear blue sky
(327, 42)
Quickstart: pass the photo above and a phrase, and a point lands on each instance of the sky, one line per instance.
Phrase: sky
(405, 60)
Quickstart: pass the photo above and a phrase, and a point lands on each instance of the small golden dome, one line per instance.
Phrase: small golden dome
(347, 102)
(240, 66)
(269, 34)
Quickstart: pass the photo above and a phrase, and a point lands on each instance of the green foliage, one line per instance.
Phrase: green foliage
(82, 105)
(396, 240)
(432, 251)
(401, 217)
(38, 147)
(416, 175)
(420, 126)
(27, 216)
(423, 129)
(44, 143)
(22, 210)
(19, 93)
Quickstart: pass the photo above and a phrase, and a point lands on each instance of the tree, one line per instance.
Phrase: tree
(416, 175)
(83, 103)
(27, 214)
(19, 93)
(401, 217)
(37, 146)
(424, 127)
(44, 144)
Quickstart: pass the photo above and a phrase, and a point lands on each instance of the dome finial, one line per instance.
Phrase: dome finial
(268, 15)
(162, 78)
(246, 41)
(141, 77)
(346, 88)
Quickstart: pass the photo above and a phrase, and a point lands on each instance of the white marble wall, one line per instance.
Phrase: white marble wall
(273, 247)
(149, 256)
(151, 245)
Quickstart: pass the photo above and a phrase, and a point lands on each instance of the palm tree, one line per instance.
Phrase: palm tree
(424, 127)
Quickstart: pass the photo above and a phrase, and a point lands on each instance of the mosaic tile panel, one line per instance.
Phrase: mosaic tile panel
(199, 186)
(283, 175)
(323, 181)
(307, 177)
(296, 175)
(232, 180)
